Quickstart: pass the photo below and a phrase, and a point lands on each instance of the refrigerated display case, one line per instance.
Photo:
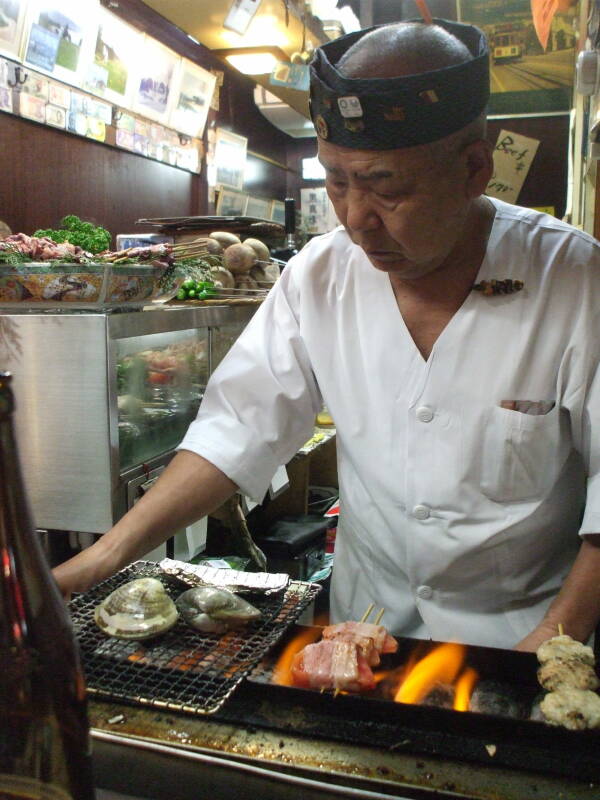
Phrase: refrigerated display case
(104, 398)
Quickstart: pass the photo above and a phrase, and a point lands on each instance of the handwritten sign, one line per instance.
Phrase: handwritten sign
(513, 155)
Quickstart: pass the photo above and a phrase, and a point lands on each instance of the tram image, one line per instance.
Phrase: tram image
(506, 46)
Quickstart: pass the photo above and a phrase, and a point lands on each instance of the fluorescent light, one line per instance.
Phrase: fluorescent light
(253, 63)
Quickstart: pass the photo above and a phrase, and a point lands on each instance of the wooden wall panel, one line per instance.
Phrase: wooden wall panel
(49, 173)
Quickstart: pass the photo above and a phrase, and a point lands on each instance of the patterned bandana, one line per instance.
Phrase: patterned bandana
(388, 113)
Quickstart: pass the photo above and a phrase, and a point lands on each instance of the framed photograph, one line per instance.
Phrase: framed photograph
(110, 70)
(278, 211)
(191, 99)
(155, 79)
(59, 34)
(525, 77)
(231, 204)
(12, 20)
(229, 159)
(258, 207)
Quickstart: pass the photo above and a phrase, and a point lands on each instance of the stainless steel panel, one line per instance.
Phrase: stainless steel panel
(61, 387)
(175, 318)
(64, 366)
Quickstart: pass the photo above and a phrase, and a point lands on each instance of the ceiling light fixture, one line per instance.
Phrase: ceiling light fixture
(253, 60)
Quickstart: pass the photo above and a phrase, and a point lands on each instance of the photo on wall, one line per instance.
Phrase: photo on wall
(12, 19)
(258, 207)
(278, 211)
(231, 204)
(110, 71)
(229, 159)
(156, 74)
(525, 77)
(191, 99)
(58, 36)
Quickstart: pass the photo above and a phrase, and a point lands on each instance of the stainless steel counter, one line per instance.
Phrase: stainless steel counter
(162, 755)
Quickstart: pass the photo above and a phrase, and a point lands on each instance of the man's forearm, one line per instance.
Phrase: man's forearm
(190, 488)
(577, 606)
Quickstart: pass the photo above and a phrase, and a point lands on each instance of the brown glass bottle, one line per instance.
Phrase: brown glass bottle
(44, 733)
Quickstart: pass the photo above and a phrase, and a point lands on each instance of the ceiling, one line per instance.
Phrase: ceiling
(203, 19)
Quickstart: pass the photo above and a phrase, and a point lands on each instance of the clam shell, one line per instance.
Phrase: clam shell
(136, 610)
(214, 610)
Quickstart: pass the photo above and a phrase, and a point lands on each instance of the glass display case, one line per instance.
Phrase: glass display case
(104, 398)
(161, 379)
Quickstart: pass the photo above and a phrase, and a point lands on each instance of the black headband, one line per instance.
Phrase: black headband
(388, 113)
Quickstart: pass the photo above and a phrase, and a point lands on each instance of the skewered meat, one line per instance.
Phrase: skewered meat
(564, 647)
(571, 673)
(42, 248)
(343, 658)
(576, 709)
(371, 639)
(567, 668)
(332, 664)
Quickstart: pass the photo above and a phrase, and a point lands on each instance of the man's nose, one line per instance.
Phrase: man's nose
(360, 214)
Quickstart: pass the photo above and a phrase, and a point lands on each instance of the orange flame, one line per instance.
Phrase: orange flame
(464, 689)
(442, 665)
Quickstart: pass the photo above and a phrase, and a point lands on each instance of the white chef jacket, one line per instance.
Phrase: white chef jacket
(458, 516)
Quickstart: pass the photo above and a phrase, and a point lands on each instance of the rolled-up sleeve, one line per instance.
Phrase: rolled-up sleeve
(260, 403)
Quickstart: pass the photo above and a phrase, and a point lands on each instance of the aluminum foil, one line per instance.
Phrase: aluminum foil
(232, 579)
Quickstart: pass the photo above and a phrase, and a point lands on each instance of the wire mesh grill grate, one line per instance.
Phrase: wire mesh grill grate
(183, 669)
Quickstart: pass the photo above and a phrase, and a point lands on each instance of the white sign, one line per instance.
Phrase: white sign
(318, 215)
(240, 15)
(513, 155)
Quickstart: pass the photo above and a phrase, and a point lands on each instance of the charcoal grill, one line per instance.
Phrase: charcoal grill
(515, 742)
(183, 669)
(185, 723)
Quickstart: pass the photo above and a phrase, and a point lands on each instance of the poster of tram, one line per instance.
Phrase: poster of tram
(525, 77)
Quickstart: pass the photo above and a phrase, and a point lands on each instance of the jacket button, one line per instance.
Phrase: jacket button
(421, 512)
(424, 414)
(425, 592)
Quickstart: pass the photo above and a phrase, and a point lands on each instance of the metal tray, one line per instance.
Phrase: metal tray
(183, 669)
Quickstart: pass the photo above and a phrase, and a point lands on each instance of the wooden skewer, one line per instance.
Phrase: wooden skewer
(379, 616)
(424, 11)
(367, 613)
(560, 629)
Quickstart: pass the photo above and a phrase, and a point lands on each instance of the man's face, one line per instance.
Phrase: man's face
(405, 210)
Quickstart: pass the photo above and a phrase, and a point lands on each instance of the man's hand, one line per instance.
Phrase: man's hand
(576, 608)
(544, 631)
(189, 488)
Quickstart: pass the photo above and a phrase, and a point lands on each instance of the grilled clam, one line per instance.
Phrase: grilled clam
(136, 610)
(213, 610)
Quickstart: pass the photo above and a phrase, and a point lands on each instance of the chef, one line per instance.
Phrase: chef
(455, 340)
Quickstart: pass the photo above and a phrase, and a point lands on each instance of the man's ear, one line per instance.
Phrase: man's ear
(480, 167)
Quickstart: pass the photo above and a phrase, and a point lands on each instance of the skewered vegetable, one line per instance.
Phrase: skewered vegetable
(224, 238)
(239, 258)
(260, 248)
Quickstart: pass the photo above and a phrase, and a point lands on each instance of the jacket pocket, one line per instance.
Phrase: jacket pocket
(522, 454)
